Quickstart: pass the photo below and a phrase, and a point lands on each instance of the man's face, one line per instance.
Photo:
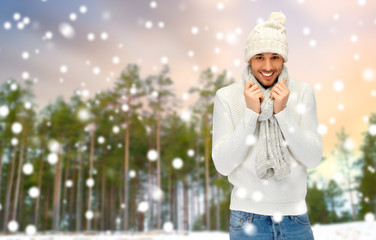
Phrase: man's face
(266, 67)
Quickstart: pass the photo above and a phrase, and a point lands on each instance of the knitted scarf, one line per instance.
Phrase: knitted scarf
(272, 156)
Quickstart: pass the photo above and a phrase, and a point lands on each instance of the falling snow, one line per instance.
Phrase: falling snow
(52, 158)
(220, 39)
(27, 168)
(194, 30)
(177, 163)
(67, 30)
(368, 74)
(152, 155)
(34, 192)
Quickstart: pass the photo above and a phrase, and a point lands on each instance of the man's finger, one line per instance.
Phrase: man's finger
(254, 87)
(246, 85)
(272, 96)
(284, 80)
(275, 90)
(279, 87)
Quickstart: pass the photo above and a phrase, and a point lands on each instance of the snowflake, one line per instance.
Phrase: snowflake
(34, 192)
(66, 30)
(338, 86)
(31, 229)
(177, 163)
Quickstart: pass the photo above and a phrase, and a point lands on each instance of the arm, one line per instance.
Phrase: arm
(229, 142)
(303, 140)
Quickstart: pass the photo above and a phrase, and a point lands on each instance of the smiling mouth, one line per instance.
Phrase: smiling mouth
(267, 75)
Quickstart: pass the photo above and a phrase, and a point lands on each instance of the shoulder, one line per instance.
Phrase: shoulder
(302, 90)
(230, 91)
(299, 86)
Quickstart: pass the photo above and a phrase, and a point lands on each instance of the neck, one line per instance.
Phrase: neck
(266, 87)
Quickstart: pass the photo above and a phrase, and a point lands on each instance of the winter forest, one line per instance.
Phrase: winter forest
(103, 132)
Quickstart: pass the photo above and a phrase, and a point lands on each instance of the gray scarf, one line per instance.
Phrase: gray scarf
(272, 155)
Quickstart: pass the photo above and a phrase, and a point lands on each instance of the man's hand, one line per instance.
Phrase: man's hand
(280, 94)
(252, 95)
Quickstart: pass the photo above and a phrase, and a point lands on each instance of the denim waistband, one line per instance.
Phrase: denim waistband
(251, 216)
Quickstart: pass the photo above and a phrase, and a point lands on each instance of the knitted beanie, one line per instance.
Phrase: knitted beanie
(268, 37)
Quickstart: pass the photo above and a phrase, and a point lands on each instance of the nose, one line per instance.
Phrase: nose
(268, 65)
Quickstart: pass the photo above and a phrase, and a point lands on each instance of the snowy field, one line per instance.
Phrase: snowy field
(347, 231)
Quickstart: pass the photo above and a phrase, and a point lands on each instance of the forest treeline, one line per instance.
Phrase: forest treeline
(126, 159)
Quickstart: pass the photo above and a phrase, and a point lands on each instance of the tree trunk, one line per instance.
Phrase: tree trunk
(207, 175)
(191, 204)
(159, 169)
(79, 195)
(110, 207)
(170, 195)
(92, 145)
(220, 199)
(103, 196)
(19, 175)
(1, 171)
(349, 184)
(19, 213)
(149, 191)
(96, 206)
(71, 198)
(36, 213)
(218, 207)
(198, 186)
(65, 202)
(9, 189)
(174, 205)
(126, 170)
(46, 208)
(139, 215)
(113, 208)
(57, 194)
(134, 203)
(185, 206)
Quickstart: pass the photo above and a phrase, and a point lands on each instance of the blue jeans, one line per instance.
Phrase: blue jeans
(245, 225)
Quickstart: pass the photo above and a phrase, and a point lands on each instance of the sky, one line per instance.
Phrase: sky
(85, 44)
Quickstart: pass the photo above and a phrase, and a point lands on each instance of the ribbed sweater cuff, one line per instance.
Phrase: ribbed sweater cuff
(283, 117)
(250, 115)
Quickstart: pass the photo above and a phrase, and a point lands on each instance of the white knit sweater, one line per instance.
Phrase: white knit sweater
(234, 156)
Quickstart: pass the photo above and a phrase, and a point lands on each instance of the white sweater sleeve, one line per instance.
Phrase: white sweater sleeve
(229, 142)
(303, 139)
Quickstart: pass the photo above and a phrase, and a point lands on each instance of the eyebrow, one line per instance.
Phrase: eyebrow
(261, 54)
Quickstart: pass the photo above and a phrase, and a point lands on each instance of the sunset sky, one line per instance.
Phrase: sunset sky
(84, 44)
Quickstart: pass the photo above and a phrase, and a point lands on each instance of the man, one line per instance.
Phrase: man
(264, 139)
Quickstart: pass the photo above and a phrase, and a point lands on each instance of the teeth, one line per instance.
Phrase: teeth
(267, 75)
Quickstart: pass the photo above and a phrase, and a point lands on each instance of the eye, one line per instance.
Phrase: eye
(259, 58)
(275, 57)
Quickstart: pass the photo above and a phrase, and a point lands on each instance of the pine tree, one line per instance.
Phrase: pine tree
(345, 152)
(333, 194)
(209, 84)
(317, 209)
(161, 94)
(128, 88)
(367, 177)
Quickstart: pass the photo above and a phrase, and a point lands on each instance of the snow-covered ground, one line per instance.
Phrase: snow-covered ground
(354, 230)
(348, 231)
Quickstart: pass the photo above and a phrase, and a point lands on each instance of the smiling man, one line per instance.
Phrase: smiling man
(264, 139)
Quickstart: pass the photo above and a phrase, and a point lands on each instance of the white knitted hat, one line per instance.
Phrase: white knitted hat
(269, 36)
